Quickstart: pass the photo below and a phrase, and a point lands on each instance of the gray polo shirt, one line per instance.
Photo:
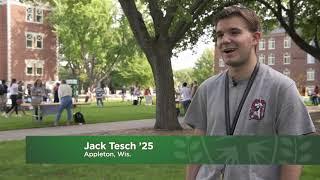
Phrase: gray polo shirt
(273, 107)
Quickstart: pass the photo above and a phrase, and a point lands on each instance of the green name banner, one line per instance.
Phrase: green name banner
(174, 149)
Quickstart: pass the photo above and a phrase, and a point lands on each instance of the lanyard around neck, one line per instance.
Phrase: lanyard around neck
(230, 129)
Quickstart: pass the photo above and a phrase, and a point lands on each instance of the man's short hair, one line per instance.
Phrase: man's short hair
(247, 14)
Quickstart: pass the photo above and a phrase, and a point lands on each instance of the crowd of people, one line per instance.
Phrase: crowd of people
(35, 94)
(136, 95)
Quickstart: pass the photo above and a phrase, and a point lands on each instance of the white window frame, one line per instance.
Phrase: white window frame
(34, 64)
(287, 42)
(29, 39)
(221, 62)
(34, 40)
(262, 44)
(38, 15)
(287, 72)
(35, 13)
(271, 59)
(38, 65)
(311, 74)
(271, 43)
(262, 58)
(32, 70)
(29, 13)
(286, 58)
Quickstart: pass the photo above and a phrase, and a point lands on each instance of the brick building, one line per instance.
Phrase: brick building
(28, 48)
(277, 50)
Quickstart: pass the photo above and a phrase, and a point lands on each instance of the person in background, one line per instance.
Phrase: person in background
(314, 96)
(88, 96)
(147, 96)
(3, 97)
(185, 96)
(65, 96)
(55, 93)
(37, 93)
(13, 96)
(137, 94)
(99, 95)
(28, 93)
(20, 96)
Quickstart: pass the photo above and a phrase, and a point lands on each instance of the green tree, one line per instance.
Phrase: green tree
(183, 75)
(161, 26)
(204, 66)
(135, 71)
(299, 18)
(93, 37)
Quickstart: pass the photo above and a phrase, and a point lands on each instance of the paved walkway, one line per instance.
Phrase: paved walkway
(99, 128)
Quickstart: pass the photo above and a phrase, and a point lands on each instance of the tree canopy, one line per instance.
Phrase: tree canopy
(93, 37)
(204, 66)
(133, 72)
(299, 18)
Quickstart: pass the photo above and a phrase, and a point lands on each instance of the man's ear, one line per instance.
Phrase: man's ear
(256, 37)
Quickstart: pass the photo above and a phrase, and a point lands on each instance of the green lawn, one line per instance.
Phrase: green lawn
(13, 166)
(93, 114)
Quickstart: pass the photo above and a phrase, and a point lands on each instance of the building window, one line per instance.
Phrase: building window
(29, 14)
(272, 43)
(221, 62)
(29, 70)
(39, 41)
(39, 16)
(39, 69)
(287, 42)
(310, 74)
(34, 40)
(34, 15)
(29, 40)
(271, 59)
(286, 72)
(262, 44)
(262, 58)
(34, 67)
(286, 58)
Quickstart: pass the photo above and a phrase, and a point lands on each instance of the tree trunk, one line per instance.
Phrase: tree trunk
(166, 116)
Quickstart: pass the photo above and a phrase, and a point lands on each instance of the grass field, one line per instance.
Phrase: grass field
(13, 166)
(109, 113)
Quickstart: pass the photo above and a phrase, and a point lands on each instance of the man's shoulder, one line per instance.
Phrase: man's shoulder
(213, 80)
(273, 76)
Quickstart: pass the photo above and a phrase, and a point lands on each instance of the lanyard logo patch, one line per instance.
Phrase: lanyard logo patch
(257, 109)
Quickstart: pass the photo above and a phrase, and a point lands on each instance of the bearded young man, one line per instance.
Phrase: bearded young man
(257, 100)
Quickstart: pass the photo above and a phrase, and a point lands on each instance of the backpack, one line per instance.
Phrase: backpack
(135, 102)
(79, 118)
(2, 89)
